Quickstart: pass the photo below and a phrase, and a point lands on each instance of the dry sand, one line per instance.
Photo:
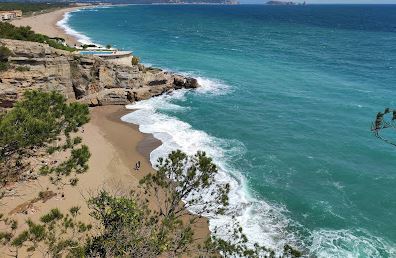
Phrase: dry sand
(115, 147)
(46, 24)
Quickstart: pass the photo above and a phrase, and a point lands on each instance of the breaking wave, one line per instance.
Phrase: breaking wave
(64, 25)
(263, 222)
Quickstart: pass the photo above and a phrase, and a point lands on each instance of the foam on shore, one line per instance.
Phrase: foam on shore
(68, 30)
(263, 223)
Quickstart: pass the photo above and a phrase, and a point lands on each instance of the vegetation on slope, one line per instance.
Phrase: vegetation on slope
(30, 8)
(9, 31)
(124, 224)
(4, 54)
(36, 122)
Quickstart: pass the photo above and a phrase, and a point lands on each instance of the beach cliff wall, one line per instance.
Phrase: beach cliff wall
(85, 79)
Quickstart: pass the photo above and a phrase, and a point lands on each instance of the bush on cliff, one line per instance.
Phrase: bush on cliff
(22, 68)
(9, 31)
(4, 66)
(5, 53)
(135, 60)
(36, 121)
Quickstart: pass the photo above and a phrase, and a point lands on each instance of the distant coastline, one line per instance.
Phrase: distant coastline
(285, 3)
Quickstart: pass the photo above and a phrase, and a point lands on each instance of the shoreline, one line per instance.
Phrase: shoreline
(46, 23)
(115, 147)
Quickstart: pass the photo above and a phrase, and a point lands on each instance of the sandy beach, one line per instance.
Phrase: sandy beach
(115, 147)
(46, 24)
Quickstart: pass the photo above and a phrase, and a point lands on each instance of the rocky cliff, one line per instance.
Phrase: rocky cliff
(85, 79)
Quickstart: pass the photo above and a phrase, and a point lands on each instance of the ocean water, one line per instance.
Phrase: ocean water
(287, 99)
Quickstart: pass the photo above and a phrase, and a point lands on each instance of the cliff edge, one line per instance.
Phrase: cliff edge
(85, 79)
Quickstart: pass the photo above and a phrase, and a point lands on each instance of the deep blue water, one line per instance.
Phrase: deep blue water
(289, 95)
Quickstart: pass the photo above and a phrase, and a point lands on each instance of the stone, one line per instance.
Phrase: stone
(87, 79)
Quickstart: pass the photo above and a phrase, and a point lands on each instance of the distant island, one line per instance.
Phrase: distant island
(284, 3)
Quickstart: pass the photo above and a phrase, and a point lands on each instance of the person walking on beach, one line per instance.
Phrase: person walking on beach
(137, 165)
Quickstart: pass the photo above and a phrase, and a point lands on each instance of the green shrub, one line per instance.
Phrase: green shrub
(4, 66)
(9, 31)
(135, 60)
(4, 54)
(28, 7)
(35, 122)
(22, 68)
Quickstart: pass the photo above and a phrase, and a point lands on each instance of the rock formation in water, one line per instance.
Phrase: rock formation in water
(86, 79)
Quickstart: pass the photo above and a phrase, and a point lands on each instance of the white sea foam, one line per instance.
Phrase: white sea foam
(349, 244)
(64, 25)
(263, 223)
(210, 86)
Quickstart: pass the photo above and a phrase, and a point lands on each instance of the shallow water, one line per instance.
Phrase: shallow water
(285, 110)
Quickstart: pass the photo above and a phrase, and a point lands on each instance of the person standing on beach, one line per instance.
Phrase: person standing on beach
(137, 165)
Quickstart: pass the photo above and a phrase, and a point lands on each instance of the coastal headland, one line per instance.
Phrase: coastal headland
(106, 87)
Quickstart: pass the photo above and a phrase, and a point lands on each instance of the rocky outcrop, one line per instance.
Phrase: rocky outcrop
(89, 80)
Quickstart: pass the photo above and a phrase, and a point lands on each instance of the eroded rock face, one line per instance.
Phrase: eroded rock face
(89, 80)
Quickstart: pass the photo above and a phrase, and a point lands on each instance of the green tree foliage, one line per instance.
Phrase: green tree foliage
(125, 226)
(29, 7)
(4, 66)
(9, 31)
(135, 60)
(76, 163)
(129, 228)
(189, 180)
(35, 122)
(4, 54)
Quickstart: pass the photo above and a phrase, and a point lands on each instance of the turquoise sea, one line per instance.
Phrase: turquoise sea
(287, 100)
